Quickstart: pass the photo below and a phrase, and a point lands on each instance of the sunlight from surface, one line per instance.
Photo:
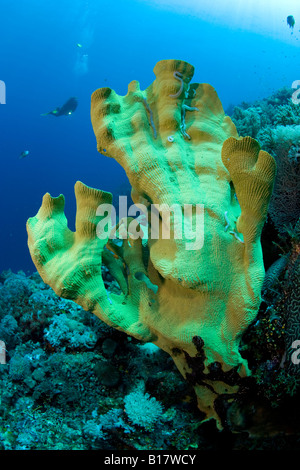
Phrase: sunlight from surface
(266, 17)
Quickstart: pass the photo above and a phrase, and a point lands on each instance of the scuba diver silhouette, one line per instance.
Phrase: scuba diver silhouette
(66, 109)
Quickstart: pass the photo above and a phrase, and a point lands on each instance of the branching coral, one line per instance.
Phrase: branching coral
(249, 121)
(192, 299)
(287, 115)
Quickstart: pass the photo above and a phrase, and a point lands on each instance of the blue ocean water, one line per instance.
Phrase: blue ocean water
(42, 66)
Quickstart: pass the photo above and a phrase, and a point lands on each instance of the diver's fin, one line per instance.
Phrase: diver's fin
(54, 112)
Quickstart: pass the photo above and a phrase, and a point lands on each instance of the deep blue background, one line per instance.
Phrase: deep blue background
(40, 64)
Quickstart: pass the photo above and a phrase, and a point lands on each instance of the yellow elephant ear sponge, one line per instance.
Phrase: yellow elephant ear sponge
(252, 172)
(191, 282)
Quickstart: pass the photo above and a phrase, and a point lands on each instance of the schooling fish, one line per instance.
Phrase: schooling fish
(66, 109)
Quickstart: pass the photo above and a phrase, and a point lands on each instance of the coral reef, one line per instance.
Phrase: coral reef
(71, 381)
(278, 132)
(51, 394)
(272, 340)
(192, 299)
(53, 397)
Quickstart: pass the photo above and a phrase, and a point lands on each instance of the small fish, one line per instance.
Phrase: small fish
(290, 21)
(79, 45)
(24, 154)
